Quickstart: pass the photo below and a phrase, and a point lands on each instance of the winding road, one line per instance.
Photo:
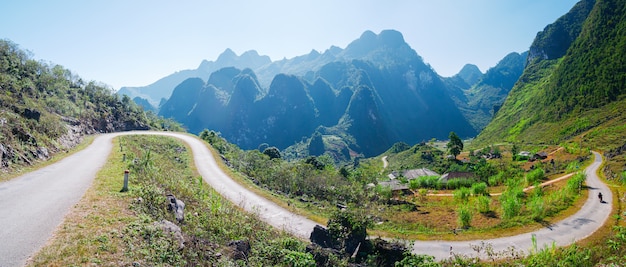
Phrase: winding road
(35, 204)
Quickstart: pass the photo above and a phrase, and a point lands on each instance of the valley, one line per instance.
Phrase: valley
(362, 155)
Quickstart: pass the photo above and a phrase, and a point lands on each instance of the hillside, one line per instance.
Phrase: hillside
(479, 96)
(45, 109)
(375, 92)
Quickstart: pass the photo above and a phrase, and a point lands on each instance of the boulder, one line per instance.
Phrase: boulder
(176, 206)
(321, 237)
(174, 230)
(239, 249)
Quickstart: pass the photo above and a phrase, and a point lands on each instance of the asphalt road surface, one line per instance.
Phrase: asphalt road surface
(35, 204)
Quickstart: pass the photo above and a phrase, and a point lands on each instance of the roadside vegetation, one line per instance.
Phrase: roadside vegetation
(122, 229)
(46, 109)
(490, 201)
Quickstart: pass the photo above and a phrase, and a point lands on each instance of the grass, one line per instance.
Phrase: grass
(84, 236)
(110, 228)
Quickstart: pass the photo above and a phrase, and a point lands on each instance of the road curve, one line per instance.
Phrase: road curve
(35, 204)
(585, 222)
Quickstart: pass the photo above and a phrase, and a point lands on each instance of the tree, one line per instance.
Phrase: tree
(272, 152)
(455, 145)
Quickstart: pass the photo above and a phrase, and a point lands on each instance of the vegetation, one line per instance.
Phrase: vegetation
(113, 228)
(455, 146)
(45, 109)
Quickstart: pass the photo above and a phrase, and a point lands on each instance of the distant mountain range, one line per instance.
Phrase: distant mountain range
(361, 99)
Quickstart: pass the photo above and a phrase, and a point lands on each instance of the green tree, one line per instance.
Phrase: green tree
(272, 152)
(455, 145)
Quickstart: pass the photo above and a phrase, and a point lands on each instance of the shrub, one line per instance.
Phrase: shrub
(535, 176)
(462, 194)
(511, 200)
(497, 179)
(464, 218)
(479, 189)
(483, 204)
(536, 207)
(575, 184)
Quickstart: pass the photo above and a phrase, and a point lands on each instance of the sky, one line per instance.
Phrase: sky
(136, 42)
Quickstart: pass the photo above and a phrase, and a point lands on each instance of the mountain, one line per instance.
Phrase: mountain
(574, 84)
(162, 89)
(375, 92)
(479, 96)
(470, 74)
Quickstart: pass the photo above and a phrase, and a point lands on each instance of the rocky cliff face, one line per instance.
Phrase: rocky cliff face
(374, 93)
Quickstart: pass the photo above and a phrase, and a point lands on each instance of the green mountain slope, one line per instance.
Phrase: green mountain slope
(581, 94)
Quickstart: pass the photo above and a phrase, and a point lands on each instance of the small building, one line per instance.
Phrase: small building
(456, 175)
(396, 186)
(539, 156)
(416, 173)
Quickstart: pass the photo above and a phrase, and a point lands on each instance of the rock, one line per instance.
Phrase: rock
(42, 153)
(174, 230)
(388, 252)
(323, 256)
(176, 206)
(31, 114)
(321, 237)
(239, 249)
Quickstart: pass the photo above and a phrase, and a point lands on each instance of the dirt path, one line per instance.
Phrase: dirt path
(525, 189)
(585, 222)
(36, 203)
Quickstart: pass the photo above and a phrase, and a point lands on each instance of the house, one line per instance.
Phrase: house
(396, 186)
(539, 156)
(456, 175)
(416, 173)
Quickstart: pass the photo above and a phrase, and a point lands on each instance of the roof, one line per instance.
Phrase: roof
(395, 185)
(415, 173)
(456, 175)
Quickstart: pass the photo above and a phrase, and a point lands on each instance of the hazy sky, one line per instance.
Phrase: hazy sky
(136, 42)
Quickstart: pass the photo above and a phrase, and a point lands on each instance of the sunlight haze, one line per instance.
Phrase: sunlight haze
(135, 43)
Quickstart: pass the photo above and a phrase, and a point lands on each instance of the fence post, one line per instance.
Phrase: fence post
(125, 188)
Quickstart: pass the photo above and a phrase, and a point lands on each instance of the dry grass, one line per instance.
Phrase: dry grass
(84, 238)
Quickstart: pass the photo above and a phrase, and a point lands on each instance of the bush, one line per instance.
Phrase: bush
(458, 183)
(534, 176)
(536, 207)
(484, 203)
(462, 194)
(497, 179)
(479, 189)
(511, 200)
(575, 184)
(464, 216)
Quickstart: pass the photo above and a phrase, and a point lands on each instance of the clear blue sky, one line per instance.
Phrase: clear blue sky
(136, 42)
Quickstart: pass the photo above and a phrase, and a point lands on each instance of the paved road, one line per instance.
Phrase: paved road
(35, 204)
(587, 220)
